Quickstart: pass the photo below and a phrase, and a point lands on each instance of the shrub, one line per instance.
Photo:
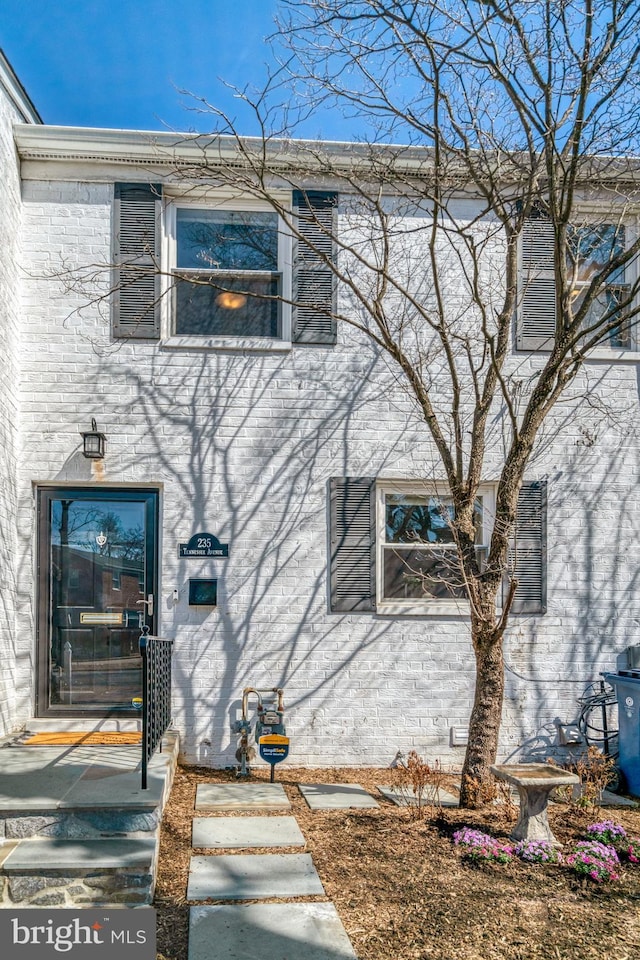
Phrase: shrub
(480, 847)
(596, 771)
(595, 860)
(538, 851)
(419, 783)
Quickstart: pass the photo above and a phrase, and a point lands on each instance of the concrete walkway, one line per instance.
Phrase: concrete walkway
(301, 930)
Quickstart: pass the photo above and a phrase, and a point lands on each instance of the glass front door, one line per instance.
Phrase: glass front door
(97, 561)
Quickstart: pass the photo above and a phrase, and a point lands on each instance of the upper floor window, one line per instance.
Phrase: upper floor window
(234, 273)
(229, 273)
(591, 248)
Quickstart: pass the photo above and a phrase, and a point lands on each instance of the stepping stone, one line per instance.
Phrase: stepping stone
(609, 799)
(268, 930)
(245, 832)
(407, 798)
(241, 796)
(336, 796)
(253, 877)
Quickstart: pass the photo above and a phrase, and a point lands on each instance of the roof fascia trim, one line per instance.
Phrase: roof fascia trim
(16, 93)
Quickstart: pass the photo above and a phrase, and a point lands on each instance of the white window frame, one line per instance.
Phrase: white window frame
(427, 606)
(607, 350)
(225, 201)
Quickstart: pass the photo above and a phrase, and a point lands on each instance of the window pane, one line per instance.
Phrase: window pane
(422, 575)
(592, 248)
(226, 240)
(411, 519)
(603, 309)
(225, 308)
(97, 555)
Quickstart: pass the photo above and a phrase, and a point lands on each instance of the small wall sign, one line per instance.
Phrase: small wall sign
(274, 748)
(203, 545)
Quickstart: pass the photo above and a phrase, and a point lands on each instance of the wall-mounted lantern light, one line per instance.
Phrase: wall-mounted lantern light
(93, 441)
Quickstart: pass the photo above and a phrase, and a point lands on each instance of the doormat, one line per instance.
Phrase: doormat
(76, 738)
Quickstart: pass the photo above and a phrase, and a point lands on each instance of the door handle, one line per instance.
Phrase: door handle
(149, 604)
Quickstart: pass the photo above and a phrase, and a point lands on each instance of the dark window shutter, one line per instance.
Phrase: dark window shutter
(530, 549)
(314, 282)
(352, 536)
(136, 307)
(537, 312)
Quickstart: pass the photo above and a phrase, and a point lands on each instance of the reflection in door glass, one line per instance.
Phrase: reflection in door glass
(97, 578)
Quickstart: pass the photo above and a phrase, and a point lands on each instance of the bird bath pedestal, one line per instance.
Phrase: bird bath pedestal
(535, 782)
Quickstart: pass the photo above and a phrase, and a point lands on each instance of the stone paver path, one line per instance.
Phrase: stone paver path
(246, 832)
(336, 796)
(271, 931)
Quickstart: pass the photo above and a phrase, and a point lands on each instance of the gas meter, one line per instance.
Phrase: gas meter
(270, 733)
(269, 721)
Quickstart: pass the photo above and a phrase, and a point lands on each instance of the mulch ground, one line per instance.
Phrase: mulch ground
(403, 892)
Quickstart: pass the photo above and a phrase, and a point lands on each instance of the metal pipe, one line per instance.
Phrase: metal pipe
(248, 690)
(244, 740)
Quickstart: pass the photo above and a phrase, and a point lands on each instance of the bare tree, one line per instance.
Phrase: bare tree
(520, 119)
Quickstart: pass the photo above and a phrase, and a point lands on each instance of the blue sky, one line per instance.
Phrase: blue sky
(121, 63)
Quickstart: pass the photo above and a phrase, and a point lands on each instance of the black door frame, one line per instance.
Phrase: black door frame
(45, 495)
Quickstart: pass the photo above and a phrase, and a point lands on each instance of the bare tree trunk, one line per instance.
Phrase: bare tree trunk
(486, 715)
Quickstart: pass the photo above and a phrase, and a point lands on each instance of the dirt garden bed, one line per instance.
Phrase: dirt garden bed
(404, 893)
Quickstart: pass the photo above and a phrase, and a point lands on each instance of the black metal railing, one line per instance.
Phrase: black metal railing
(156, 694)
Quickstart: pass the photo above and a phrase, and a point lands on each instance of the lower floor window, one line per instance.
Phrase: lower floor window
(419, 562)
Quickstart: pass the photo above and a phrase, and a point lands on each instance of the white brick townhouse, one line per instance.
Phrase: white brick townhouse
(244, 441)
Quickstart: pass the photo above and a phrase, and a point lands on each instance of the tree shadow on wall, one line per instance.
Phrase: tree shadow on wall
(243, 447)
(593, 611)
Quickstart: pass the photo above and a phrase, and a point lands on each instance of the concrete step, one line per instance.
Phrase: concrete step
(85, 872)
(76, 829)
(76, 824)
(82, 791)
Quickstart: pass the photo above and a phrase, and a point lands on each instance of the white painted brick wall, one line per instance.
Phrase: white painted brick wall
(243, 445)
(10, 259)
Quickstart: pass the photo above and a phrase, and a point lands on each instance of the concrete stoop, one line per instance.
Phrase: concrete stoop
(76, 830)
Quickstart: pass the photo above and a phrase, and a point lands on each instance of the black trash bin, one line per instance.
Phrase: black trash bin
(627, 687)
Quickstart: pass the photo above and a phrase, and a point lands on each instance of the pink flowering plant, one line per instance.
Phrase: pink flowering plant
(480, 847)
(630, 849)
(607, 832)
(537, 851)
(595, 860)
